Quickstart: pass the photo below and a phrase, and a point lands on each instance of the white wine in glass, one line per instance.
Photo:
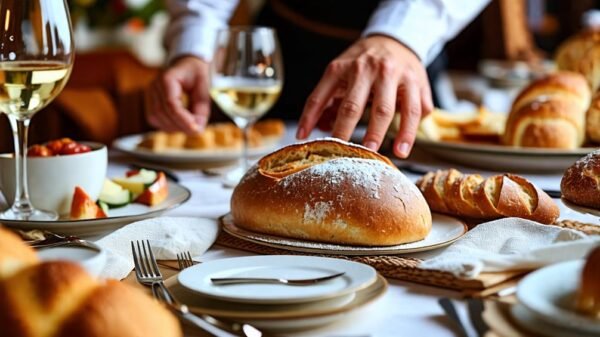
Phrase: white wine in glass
(36, 57)
(246, 79)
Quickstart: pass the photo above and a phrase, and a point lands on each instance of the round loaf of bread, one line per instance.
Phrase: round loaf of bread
(581, 53)
(549, 113)
(593, 119)
(331, 191)
(581, 182)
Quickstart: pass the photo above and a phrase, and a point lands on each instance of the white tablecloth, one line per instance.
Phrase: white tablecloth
(407, 309)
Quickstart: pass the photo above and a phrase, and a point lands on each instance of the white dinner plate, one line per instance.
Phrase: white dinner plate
(129, 145)
(580, 209)
(92, 257)
(549, 293)
(504, 158)
(357, 276)
(444, 231)
(280, 317)
(529, 321)
(117, 217)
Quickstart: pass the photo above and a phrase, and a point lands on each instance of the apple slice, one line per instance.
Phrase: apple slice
(156, 193)
(137, 181)
(83, 207)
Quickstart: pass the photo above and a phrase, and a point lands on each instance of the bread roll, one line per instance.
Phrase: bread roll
(60, 299)
(593, 119)
(581, 182)
(549, 113)
(472, 196)
(331, 191)
(588, 295)
(581, 53)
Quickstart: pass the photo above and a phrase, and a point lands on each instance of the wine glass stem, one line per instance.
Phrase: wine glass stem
(20, 128)
(246, 137)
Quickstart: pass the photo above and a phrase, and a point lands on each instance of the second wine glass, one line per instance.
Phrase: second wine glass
(246, 79)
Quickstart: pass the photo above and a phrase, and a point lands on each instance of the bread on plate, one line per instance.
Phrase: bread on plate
(581, 182)
(331, 191)
(60, 299)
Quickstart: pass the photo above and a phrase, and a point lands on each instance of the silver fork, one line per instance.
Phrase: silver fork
(185, 261)
(147, 273)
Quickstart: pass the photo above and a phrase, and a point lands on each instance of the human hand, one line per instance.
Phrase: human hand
(384, 68)
(166, 110)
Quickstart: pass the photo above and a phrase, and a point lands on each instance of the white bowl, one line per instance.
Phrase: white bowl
(52, 180)
(92, 258)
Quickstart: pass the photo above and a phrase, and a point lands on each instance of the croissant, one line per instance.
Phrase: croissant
(472, 196)
(60, 299)
(549, 113)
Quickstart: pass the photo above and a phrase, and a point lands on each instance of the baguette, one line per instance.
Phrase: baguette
(472, 196)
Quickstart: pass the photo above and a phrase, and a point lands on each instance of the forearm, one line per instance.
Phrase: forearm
(193, 26)
(423, 25)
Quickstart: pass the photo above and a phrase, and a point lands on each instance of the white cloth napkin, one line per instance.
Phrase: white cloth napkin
(510, 244)
(167, 235)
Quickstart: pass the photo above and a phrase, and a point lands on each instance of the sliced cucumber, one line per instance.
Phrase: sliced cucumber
(136, 184)
(114, 195)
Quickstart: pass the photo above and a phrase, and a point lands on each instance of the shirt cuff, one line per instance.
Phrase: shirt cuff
(195, 40)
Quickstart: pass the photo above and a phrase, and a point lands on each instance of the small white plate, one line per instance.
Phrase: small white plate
(580, 209)
(549, 293)
(497, 157)
(92, 258)
(118, 217)
(299, 316)
(444, 231)
(529, 321)
(357, 276)
(129, 145)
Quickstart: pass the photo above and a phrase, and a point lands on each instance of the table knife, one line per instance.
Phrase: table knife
(476, 307)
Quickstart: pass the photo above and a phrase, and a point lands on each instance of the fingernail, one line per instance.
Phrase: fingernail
(403, 149)
(371, 145)
(300, 134)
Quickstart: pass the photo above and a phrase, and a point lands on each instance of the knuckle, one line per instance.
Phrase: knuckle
(334, 68)
(409, 75)
(359, 66)
(313, 101)
(349, 109)
(386, 68)
(382, 111)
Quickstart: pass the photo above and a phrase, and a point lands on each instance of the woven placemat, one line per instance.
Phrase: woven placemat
(405, 268)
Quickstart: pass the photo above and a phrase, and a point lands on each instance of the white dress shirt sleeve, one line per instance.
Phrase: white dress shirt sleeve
(194, 24)
(423, 25)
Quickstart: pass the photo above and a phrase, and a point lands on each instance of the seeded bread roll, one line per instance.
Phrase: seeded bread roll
(331, 191)
(581, 182)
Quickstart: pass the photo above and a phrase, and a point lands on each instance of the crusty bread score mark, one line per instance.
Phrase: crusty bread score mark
(298, 157)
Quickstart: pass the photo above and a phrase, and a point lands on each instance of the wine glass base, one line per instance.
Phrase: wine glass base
(233, 177)
(33, 215)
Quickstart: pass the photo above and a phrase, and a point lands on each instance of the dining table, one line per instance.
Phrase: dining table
(406, 309)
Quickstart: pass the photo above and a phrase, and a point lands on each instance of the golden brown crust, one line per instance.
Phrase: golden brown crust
(332, 195)
(581, 182)
(593, 119)
(549, 113)
(507, 195)
(14, 253)
(588, 297)
(115, 310)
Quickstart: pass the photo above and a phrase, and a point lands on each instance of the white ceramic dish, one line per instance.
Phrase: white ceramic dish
(549, 293)
(92, 258)
(580, 209)
(504, 158)
(529, 321)
(299, 316)
(118, 217)
(52, 180)
(128, 144)
(444, 231)
(357, 276)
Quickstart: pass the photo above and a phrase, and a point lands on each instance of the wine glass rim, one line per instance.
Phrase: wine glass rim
(247, 28)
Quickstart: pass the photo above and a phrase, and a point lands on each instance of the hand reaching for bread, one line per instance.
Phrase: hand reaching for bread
(475, 197)
(59, 299)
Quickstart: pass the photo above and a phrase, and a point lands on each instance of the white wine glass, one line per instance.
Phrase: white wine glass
(246, 79)
(36, 57)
